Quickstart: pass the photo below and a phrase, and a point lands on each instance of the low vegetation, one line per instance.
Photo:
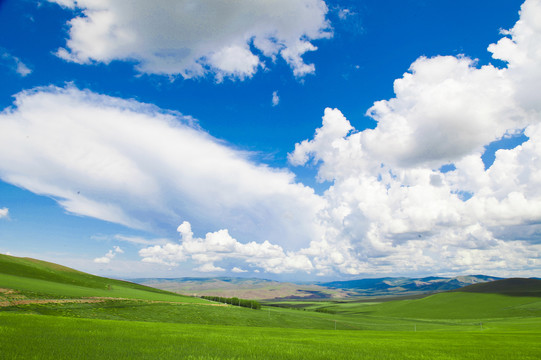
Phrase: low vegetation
(252, 304)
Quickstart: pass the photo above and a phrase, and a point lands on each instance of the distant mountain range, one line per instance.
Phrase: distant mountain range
(393, 286)
(253, 288)
(246, 288)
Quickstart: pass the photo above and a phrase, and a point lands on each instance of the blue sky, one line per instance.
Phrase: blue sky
(301, 139)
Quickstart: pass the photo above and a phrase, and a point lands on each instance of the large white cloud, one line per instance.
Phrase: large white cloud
(131, 163)
(392, 209)
(190, 38)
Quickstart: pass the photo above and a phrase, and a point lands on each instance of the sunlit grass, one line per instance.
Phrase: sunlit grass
(45, 337)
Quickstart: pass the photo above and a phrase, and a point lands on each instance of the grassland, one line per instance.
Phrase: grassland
(55, 317)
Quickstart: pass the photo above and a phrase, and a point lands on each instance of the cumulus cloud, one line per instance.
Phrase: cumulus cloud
(133, 164)
(392, 208)
(4, 213)
(106, 259)
(521, 50)
(238, 270)
(192, 38)
(14, 63)
(219, 246)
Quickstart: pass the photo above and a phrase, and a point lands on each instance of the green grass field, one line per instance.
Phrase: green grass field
(45, 337)
(135, 322)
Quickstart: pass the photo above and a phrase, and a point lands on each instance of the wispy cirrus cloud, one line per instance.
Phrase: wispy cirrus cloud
(137, 240)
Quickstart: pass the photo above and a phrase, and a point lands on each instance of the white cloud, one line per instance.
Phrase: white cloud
(444, 109)
(344, 13)
(218, 246)
(4, 213)
(521, 49)
(106, 259)
(207, 268)
(391, 210)
(133, 164)
(15, 63)
(275, 98)
(238, 270)
(191, 38)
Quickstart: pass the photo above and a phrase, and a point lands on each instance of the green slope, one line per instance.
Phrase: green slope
(33, 278)
(495, 300)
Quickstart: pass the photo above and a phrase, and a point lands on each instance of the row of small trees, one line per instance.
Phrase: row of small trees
(252, 304)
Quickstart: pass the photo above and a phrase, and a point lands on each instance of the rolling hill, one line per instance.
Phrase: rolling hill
(37, 279)
(513, 287)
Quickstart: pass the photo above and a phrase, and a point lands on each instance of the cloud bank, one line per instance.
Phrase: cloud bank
(394, 206)
(191, 38)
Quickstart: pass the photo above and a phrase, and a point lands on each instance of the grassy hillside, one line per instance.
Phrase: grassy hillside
(31, 278)
(511, 287)
(457, 305)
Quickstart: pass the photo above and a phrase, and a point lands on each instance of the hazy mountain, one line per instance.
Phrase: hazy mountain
(247, 288)
(253, 288)
(404, 285)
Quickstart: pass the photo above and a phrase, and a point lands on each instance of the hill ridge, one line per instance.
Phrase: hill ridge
(511, 286)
